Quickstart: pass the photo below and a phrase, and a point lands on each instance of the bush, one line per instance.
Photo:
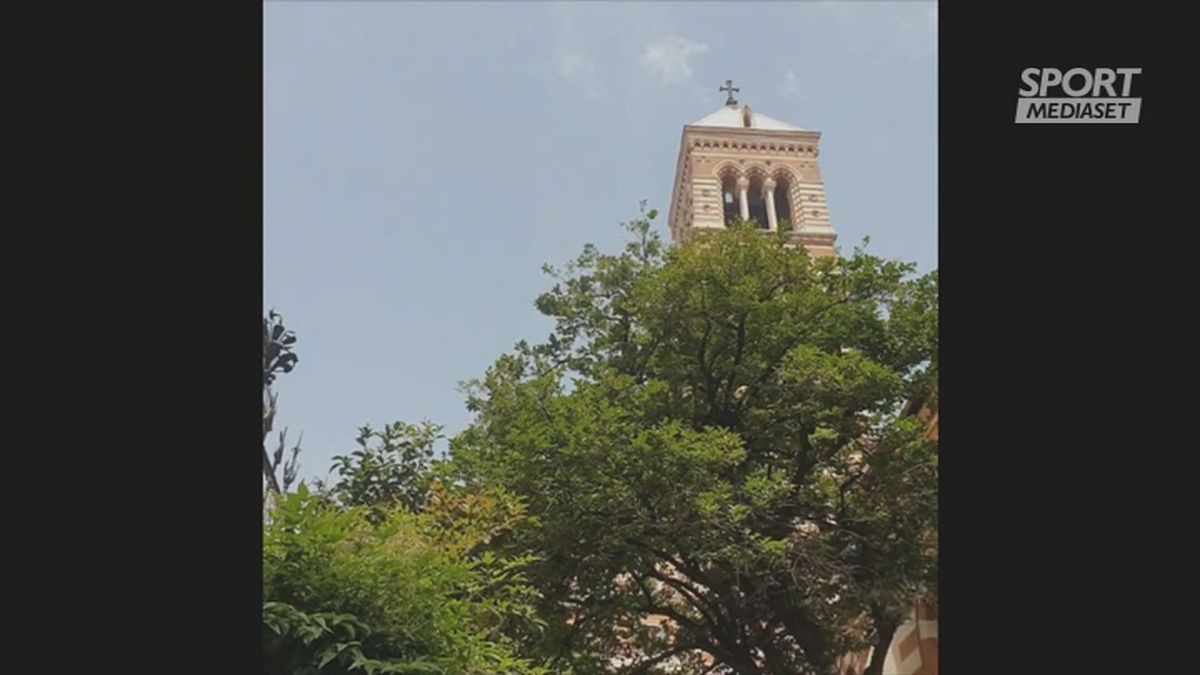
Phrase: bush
(405, 593)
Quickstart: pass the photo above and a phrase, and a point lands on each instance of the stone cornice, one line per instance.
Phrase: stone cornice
(782, 143)
(734, 132)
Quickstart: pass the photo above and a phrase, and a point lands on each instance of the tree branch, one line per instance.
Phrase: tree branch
(885, 630)
(645, 666)
(696, 601)
(808, 635)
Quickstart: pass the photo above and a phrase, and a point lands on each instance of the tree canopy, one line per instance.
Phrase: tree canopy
(713, 451)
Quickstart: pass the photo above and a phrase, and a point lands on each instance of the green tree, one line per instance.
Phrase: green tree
(402, 592)
(715, 434)
(389, 468)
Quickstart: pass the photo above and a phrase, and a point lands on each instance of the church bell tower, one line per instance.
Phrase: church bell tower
(739, 163)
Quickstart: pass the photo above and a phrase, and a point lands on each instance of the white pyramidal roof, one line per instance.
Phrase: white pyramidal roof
(731, 116)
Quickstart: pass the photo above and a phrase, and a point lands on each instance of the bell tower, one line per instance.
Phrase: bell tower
(738, 162)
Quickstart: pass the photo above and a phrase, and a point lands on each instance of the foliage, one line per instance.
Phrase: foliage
(714, 434)
(402, 593)
(388, 468)
(278, 358)
(278, 341)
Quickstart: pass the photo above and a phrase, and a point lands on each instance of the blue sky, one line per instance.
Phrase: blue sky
(423, 160)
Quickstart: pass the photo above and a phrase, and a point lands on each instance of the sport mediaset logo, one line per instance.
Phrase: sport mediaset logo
(1078, 96)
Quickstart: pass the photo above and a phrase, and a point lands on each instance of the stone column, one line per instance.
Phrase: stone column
(769, 198)
(743, 184)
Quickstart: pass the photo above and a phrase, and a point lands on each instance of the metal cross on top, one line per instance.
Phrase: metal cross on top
(729, 88)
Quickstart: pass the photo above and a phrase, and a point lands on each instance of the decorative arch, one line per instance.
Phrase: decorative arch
(782, 172)
(757, 171)
(728, 166)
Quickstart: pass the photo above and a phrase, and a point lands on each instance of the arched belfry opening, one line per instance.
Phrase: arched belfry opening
(783, 201)
(756, 198)
(729, 198)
